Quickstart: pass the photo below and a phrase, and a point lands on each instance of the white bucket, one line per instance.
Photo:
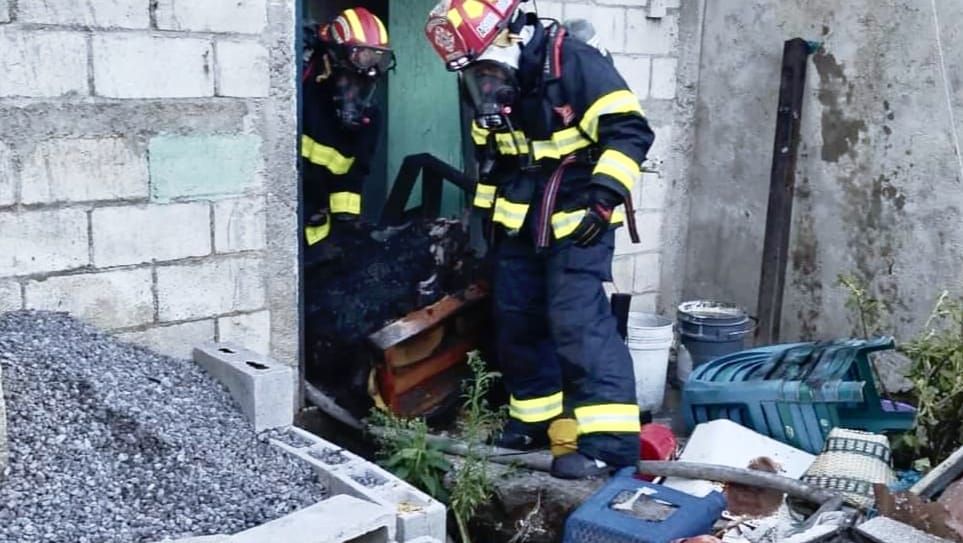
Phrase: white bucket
(649, 338)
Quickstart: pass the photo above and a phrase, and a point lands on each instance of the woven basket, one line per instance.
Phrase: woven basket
(850, 463)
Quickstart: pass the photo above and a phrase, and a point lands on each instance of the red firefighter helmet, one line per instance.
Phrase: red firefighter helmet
(461, 30)
(359, 40)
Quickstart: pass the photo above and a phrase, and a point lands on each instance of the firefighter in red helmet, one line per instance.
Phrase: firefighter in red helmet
(560, 141)
(344, 61)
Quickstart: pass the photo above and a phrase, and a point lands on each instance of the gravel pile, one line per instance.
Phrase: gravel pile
(110, 442)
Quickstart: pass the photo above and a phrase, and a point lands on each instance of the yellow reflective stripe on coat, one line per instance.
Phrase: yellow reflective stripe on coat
(509, 214)
(565, 222)
(563, 142)
(511, 145)
(346, 202)
(325, 156)
(314, 234)
(535, 409)
(484, 195)
(608, 418)
(619, 166)
(478, 134)
(620, 101)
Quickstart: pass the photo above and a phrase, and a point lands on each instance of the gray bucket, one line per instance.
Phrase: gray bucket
(711, 329)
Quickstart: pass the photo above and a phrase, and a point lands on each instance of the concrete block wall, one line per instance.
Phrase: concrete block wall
(148, 155)
(643, 37)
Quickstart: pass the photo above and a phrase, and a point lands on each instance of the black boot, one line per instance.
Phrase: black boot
(578, 466)
(522, 437)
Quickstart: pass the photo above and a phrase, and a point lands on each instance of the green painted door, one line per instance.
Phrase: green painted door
(424, 114)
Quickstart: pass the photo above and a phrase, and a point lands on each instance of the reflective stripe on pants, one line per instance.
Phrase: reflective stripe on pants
(535, 409)
(345, 202)
(608, 417)
(552, 319)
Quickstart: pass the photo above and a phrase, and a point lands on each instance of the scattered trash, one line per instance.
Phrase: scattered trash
(742, 445)
(760, 479)
(887, 530)
(657, 442)
(893, 367)
(851, 463)
(952, 499)
(905, 479)
(630, 510)
(711, 329)
(908, 508)
(941, 476)
(754, 502)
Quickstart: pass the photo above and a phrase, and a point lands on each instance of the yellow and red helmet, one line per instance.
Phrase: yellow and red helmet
(359, 40)
(461, 30)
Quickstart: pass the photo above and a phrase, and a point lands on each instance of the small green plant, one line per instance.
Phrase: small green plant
(936, 371)
(404, 450)
(870, 311)
(870, 314)
(473, 483)
(937, 376)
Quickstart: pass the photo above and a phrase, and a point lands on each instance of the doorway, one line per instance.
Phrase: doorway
(420, 98)
(423, 114)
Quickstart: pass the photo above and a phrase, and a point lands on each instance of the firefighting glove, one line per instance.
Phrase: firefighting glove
(597, 217)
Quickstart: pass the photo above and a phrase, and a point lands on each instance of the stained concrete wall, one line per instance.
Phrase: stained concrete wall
(878, 177)
(148, 168)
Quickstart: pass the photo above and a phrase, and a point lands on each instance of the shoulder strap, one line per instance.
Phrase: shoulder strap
(552, 67)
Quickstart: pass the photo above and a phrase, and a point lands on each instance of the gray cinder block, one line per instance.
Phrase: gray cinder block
(418, 516)
(262, 387)
(335, 520)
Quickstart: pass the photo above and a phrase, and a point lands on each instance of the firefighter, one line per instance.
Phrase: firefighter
(344, 60)
(560, 141)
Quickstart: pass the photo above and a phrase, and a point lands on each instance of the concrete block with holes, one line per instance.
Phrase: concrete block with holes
(264, 388)
(418, 516)
(336, 520)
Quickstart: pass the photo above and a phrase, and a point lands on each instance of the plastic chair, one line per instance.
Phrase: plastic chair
(796, 393)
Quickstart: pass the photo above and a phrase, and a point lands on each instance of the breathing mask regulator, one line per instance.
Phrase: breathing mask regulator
(492, 80)
(352, 96)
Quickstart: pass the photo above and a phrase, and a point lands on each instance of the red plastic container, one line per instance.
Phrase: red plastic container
(656, 442)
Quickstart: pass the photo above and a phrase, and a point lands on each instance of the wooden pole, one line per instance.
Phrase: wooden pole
(782, 182)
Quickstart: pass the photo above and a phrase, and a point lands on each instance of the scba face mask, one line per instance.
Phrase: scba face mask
(493, 89)
(353, 95)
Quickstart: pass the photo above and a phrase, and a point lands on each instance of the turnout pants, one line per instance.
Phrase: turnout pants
(558, 342)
